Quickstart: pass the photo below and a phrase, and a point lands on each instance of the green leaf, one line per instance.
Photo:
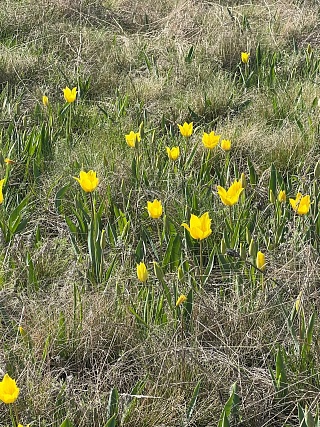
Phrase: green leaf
(310, 328)
(229, 406)
(175, 253)
(252, 172)
(111, 422)
(160, 276)
(112, 409)
(193, 401)
(15, 214)
(273, 180)
(67, 423)
(190, 55)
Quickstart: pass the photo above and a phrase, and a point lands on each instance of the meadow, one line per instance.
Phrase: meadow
(159, 213)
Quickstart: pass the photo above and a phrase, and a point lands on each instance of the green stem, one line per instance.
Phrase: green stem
(230, 216)
(201, 264)
(160, 238)
(92, 207)
(69, 124)
(14, 415)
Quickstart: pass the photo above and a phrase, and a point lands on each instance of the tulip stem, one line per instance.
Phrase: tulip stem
(92, 207)
(160, 238)
(68, 128)
(201, 264)
(14, 415)
(230, 216)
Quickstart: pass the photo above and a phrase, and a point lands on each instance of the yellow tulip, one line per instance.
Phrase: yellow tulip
(9, 161)
(142, 272)
(154, 209)
(186, 129)
(301, 204)
(9, 391)
(173, 153)
(282, 197)
(182, 298)
(20, 425)
(70, 95)
(200, 227)
(45, 100)
(226, 144)
(210, 140)
(245, 57)
(88, 181)
(231, 196)
(2, 181)
(261, 261)
(132, 138)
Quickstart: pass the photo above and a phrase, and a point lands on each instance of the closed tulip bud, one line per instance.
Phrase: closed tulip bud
(271, 197)
(298, 301)
(223, 246)
(253, 248)
(261, 261)
(45, 101)
(154, 209)
(2, 182)
(103, 241)
(226, 144)
(182, 298)
(141, 129)
(243, 254)
(282, 197)
(243, 180)
(142, 272)
(248, 236)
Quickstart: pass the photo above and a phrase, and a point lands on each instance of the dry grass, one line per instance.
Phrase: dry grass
(81, 342)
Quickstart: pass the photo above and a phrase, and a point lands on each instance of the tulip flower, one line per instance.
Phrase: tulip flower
(301, 204)
(182, 298)
(20, 425)
(88, 181)
(210, 140)
(282, 197)
(245, 57)
(9, 161)
(142, 272)
(45, 101)
(154, 209)
(173, 153)
(2, 181)
(8, 390)
(231, 196)
(186, 129)
(226, 145)
(261, 261)
(132, 138)
(70, 95)
(200, 227)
